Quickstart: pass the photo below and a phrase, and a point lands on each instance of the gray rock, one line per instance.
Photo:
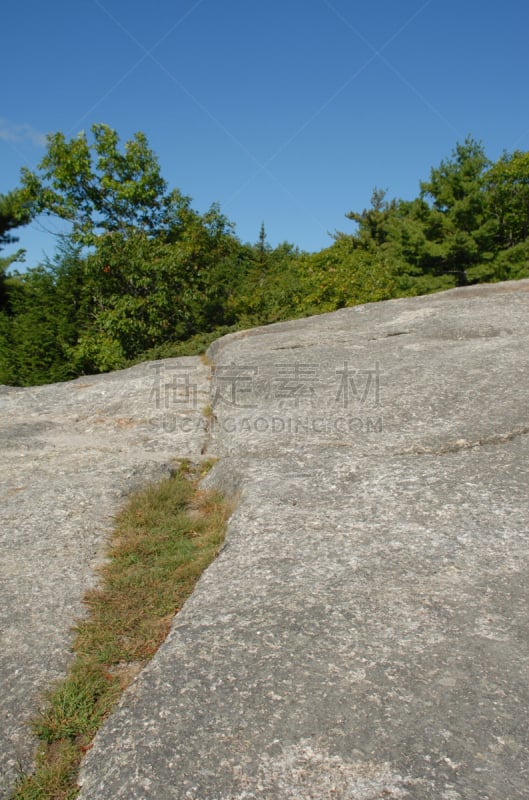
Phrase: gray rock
(69, 453)
(364, 632)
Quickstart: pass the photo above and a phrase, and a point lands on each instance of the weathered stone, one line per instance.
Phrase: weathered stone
(69, 453)
(364, 632)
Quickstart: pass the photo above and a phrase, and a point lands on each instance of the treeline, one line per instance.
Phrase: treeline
(143, 275)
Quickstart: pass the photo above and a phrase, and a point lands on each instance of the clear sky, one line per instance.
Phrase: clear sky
(287, 112)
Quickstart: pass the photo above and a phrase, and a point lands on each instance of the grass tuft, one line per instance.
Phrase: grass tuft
(162, 542)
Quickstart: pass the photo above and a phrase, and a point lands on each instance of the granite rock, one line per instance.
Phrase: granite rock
(363, 634)
(69, 454)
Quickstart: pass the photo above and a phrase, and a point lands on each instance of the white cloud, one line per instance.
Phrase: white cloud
(20, 132)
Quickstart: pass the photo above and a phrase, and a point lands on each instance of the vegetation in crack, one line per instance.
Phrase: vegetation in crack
(162, 541)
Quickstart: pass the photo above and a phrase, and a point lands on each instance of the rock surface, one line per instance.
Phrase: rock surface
(364, 632)
(69, 453)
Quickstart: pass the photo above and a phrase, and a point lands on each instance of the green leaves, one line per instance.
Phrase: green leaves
(157, 272)
(458, 229)
(507, 184)
(98, 187)
(13, 213)
(459, 178)
(41, 322)
(143, 290)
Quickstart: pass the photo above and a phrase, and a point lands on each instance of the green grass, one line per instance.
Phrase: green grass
(162, 542)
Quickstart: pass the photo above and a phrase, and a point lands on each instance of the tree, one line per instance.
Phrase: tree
(507, 185)
(141, 291)
(458, 178)
(46, 313)
(440, 239)
(464, 231)
(13, 214)
(372, 222)
(100, 188)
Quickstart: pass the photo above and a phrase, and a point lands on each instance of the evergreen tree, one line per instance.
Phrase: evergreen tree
(13, 214)
(45, 317)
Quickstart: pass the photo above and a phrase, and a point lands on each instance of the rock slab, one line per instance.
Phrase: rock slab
(364, 632)
(69, 454)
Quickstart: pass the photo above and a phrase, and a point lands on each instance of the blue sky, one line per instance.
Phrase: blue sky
(287, 112)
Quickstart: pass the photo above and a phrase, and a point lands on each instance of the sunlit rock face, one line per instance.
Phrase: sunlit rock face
(364, 631)
(69, 454)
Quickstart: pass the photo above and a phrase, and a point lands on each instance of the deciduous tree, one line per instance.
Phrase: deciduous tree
(100, 187)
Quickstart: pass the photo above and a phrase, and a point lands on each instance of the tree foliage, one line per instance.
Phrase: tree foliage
(13, 214)
(99, 187)
(142, 291)
(143, 272)
(458, 230)
(45, 314)
(507, 187)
